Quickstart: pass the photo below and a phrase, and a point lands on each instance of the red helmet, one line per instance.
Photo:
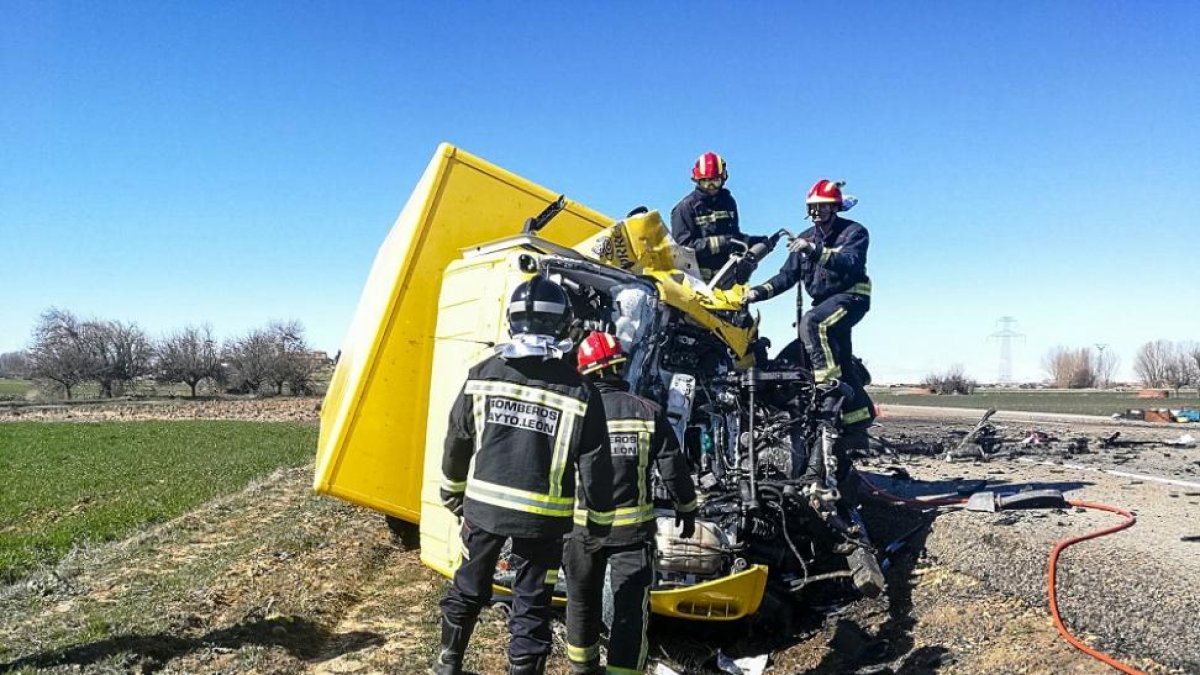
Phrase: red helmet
(599, 350)
(709, 166)
(825, 191)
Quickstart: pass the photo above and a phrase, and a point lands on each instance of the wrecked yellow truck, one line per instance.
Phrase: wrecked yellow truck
(434, 304)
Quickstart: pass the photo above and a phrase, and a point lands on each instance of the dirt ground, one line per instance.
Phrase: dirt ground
(277, 580)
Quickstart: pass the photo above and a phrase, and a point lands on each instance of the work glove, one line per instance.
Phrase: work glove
(800, 246)
(686, 522)
(754, 295)
(453, 501)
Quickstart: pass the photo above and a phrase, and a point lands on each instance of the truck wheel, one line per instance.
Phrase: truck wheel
(404, 533)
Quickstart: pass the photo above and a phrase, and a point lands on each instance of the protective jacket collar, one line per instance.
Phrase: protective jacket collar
(524, 345)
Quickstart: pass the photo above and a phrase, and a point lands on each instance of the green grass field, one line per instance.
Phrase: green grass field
(1054, 401)
(14, 389)
(65, 484)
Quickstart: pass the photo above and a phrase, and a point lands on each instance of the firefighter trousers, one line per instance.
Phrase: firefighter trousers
(630, 572)
(825, 332)
(535, 562)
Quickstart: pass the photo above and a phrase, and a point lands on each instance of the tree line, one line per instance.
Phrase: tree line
(1158, 364)
(66, 351)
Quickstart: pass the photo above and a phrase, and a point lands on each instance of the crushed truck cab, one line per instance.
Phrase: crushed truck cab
(434, 305)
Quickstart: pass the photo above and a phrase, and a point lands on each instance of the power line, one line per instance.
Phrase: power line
(1006, 334)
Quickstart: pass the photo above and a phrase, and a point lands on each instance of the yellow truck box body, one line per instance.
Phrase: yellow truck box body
(372, 439)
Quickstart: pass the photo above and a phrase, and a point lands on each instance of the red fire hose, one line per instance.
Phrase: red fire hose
(1053, 565)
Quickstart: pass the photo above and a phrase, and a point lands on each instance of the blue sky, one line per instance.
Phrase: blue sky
(229, 163)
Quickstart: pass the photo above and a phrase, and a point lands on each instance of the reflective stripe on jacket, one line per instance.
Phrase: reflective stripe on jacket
(706, 224)
(640, 440)
(519, 432)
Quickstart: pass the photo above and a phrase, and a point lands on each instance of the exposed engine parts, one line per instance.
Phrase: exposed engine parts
(764, 443)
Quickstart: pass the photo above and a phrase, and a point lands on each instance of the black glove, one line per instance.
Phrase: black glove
(453, 501)
(686, 522)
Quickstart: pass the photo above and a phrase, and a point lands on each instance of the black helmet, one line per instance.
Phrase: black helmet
(539, 307)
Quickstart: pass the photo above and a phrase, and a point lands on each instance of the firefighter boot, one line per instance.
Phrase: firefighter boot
(452, 649)
(527, 665)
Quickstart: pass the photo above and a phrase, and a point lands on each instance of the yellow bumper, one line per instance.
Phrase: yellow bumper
(730, 598)
(726, 599)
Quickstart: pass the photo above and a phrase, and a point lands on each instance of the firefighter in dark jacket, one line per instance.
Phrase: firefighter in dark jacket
(524, 424)
(830, 258)
(641, 440)
(706, 221)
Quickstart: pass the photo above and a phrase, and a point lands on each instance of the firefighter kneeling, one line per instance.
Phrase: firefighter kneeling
(527, 423)
(640, 439)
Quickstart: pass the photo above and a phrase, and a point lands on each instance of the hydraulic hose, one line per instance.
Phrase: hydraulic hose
(1053, 591)
(1052, 582)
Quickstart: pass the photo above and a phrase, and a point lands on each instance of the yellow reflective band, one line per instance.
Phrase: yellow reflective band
(562, 450)
(600, 517)
(828, 253)
(479, 408)
(631, 425)
(622, 517)
(643, 463)
(453, 485)
(519, 500)
(831, 369)
(769, 287)
(583, 654)
(861, 289)
(714, 244)
(551, 578)
(688, 507)
(856, 415)
(527, 394)
(634, 519)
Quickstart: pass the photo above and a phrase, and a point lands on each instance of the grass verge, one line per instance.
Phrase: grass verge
(1051, 401)
(68, 484)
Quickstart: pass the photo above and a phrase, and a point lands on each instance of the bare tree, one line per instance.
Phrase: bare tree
(292, 363)
(120, 353)
(14, 364)
(954, 381)
(190, 356)
(1151, 363)
(1178, 372)
(1070, 368)
(1106, 364)
(58, 352)
(249, 360)
(1192, 350)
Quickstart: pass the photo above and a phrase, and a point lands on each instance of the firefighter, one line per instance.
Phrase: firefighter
(706, 221)
(523, 425)
(831, 259)
(641, 440)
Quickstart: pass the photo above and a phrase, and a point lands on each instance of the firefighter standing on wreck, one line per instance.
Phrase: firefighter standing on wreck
(523, 425)
(830, 258)
(706, 220)
(641, 440)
